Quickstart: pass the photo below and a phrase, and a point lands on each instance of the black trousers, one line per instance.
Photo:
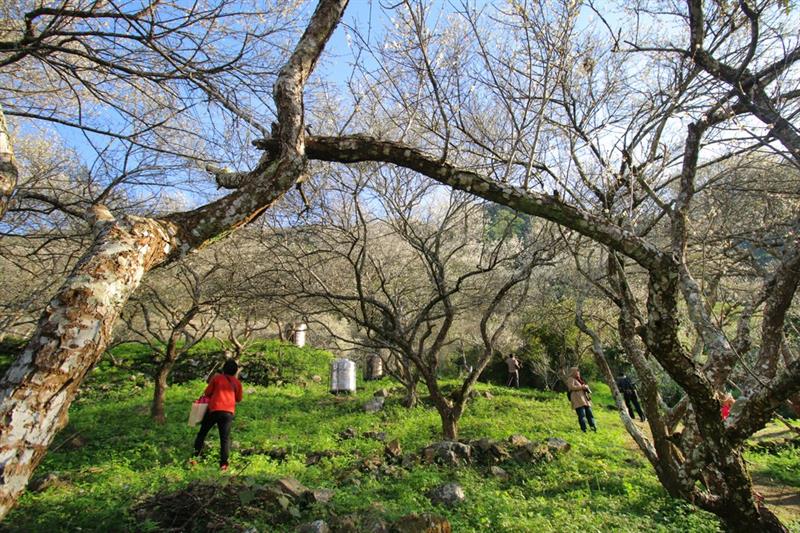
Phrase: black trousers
(223, 420)
(513, 379)
(632, 402)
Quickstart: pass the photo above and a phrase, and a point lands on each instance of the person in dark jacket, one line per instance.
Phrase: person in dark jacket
(628, 390)
(224, 392)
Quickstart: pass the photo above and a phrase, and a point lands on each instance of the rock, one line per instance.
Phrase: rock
(316, 379)
(349, 433)
(449, 495)
(317, 526)
(557, 445)
(250, 390)
(382, 393)
(376, 435)
(499, 473)
(292, 487)
(322, 495)
(236, 445)
(408, 461)
(488, 395)
(533, 453)
(393, 449)
(483, 445)
(424, 523)
(371, 465)
(315, 457)
(448, 453)
(498, 453)
(374, 405)
(518, 440)
(374, 524)
(278, 454)
(346, 524)
(51, 480)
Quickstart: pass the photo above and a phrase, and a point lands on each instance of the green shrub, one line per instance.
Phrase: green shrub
(264, 363)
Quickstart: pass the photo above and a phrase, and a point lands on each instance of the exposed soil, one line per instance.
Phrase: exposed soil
(783, 500)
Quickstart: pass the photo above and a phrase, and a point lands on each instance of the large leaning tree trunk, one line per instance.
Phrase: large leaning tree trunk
(75, 328)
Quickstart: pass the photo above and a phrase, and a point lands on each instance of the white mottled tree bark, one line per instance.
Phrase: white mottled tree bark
(71, 335)
(74, 330)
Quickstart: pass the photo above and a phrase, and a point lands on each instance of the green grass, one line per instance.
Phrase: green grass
(782, 466)
(599, 485)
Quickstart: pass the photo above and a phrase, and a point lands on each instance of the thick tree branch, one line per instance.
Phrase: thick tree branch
(358, 148)
(36, 392)
(758, 408)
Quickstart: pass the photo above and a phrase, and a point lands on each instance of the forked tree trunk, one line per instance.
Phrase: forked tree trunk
(157, 410)
(734, 502)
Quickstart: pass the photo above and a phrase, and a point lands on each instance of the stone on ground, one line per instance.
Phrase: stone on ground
(421, 523)
(449, 494)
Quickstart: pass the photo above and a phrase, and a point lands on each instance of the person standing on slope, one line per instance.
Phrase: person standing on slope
(579, 396)
(513, 371)
(224, 392)
(628, 390)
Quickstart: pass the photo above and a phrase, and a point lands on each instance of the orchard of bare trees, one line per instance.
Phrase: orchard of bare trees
(431, 178)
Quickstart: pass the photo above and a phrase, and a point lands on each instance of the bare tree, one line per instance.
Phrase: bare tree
(146, 79)
(605, 137)
(241, 328)
(76, 326)
(621, 132)
(172, 320)
(404, 261)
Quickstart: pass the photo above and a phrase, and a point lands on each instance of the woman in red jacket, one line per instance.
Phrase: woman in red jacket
(224, 392)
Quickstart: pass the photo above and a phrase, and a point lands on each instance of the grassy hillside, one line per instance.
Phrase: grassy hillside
(111, 458)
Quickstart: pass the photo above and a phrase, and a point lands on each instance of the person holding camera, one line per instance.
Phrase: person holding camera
(580, 398)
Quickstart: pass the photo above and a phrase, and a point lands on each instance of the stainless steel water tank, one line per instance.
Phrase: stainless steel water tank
(343, 375)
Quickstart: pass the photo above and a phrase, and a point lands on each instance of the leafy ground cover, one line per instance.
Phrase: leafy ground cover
(111, 458)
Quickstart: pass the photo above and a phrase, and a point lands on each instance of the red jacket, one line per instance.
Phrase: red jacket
(225, 391)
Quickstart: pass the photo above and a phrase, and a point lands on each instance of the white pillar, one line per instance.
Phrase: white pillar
(300, 334)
